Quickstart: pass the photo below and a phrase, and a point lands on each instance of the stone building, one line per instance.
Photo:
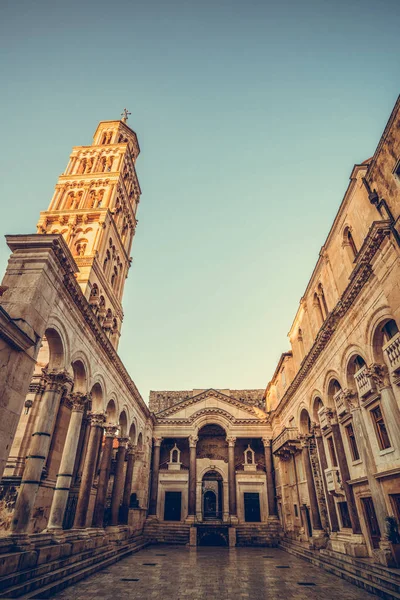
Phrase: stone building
(91, 473)
(75, 432)
(334, 397)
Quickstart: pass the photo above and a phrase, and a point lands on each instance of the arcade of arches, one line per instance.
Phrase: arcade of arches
(88, 468)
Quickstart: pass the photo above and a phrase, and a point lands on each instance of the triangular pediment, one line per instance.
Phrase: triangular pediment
(208, 400)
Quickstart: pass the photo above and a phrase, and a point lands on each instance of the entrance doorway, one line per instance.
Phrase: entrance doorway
(372, 521)
(172, 506)
(212, 496)
(252, 507)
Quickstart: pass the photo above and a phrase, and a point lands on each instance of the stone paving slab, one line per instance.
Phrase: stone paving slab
(180, 573)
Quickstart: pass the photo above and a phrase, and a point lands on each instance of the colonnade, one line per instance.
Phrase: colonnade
(99, 451)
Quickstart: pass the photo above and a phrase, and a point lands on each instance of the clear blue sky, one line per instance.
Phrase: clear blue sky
(250, 116)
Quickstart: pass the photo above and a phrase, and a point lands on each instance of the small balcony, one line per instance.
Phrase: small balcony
(287, 442)
(333, 481)
(324, 421)
(365, 384)
(392, 352)
(342, 406)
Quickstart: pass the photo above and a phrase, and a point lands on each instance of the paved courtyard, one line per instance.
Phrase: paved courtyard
(177, 573)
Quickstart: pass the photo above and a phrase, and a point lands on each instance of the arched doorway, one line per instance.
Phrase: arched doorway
(212, 496)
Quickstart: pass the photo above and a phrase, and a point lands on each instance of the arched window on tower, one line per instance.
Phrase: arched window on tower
(114, 277)
(318, 310)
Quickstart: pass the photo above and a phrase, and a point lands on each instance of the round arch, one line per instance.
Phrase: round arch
(212, 418)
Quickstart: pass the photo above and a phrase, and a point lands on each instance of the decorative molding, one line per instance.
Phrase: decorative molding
(379, 230)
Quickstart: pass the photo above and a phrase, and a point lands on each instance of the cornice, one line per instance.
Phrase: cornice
(202, 396)
(211, 411)
(58, 246)
(379, 230)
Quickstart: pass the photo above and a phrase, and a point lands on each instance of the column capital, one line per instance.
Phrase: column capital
(267, 442)
(96, 419)
(78, 401)
(122, 442)
(316, 430)
(131, 449)
(193, 439)
(379, 375)
(231, 441)
(305, 440)
(55, 380)
(157, 441)
(110, 430)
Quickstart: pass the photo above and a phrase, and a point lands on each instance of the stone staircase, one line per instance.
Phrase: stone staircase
(258, 534)
(166, 533)
(44, 580)
(362, 572)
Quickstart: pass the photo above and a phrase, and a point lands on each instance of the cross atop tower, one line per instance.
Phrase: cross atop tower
(124, 115)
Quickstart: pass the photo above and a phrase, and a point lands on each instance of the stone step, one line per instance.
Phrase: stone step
(43, 585)
(385, 587)
(364, 563)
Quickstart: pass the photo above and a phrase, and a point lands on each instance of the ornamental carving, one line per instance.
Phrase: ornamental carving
(97, 419)
(379, 375)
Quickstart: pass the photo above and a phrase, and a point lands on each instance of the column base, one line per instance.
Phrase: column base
(190, 519)
(319, 539)
(193, 537)
(232, 537)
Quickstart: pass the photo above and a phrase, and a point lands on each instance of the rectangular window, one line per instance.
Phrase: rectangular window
(344, 514)
(296, 511)
(332, 452)
(380, 428)
(352, 442)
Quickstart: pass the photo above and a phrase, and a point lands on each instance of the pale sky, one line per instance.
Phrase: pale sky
(250, 116)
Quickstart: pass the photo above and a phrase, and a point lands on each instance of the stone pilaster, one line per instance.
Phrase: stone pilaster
(64, 477)
(232, 476)
(315, 516)
(110, 431)
(192, 475)
(126, 496)
(324, 465)
(344, 472)
(271, 490)
(154, 476)
(56, 382)
(118, 481)
(96, 431)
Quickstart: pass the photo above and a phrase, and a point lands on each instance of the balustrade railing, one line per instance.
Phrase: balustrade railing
(333, 481)
(392, 352)
(342, 406)
(364, 384)
(290, 435)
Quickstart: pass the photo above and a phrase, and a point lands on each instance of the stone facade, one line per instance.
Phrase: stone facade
(77, 434)
(334, 398)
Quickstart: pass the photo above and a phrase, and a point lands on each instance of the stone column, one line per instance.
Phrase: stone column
(344, 472)
(154, 476)
(269, 468)
(118, 481)
(64, 477)
(367, 455)
(95, 435)
(192, 475)
(232, 475)
(105, 468)
(380, 376)
(324, 465)
(56, 382)
(315, 516)
(126, 496)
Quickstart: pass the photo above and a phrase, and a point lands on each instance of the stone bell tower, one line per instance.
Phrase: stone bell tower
(94, 207)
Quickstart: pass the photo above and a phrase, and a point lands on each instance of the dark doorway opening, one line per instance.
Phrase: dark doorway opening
(212, 495)
(172, 506)
(252, 512)
(372, 521)
(213, 539)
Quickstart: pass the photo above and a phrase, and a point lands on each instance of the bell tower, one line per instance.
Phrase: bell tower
(94, 207)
